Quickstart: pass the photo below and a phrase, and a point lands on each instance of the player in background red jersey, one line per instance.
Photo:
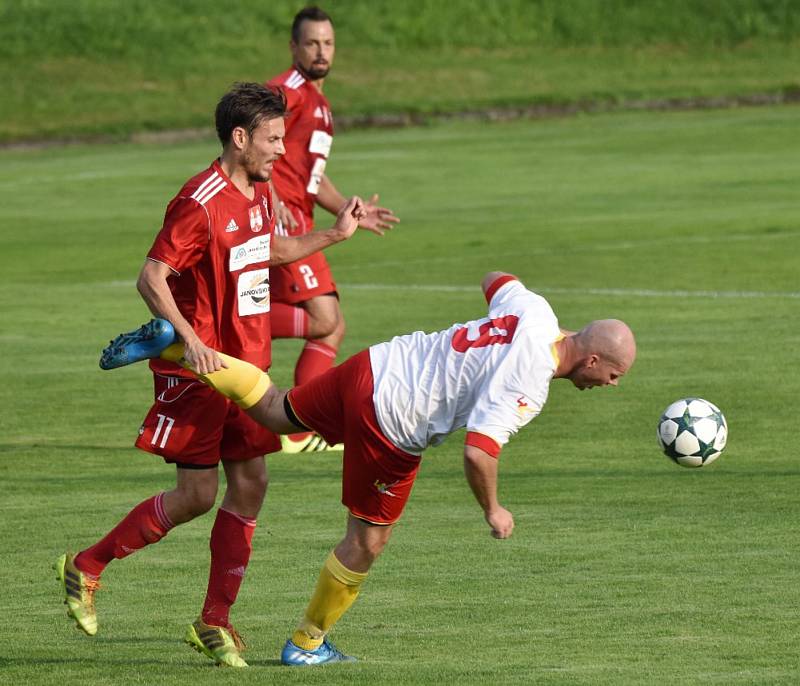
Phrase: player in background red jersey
(208, 274)
(305, 301)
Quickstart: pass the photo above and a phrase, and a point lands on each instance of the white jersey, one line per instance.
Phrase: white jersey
(491, 375)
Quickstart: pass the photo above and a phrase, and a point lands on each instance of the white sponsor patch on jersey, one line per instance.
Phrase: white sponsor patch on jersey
(316, 176)
(253, 290)
(253, 251)
(320, 143)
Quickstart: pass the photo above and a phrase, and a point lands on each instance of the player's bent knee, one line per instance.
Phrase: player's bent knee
(195, 501)
(250, 490)
(322, 325)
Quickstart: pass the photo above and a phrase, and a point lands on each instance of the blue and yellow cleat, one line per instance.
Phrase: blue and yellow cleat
(295, 656)
(144, 343)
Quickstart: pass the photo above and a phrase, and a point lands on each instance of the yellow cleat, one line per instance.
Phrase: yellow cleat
(313, 443)
(79, 590)
(222, 645)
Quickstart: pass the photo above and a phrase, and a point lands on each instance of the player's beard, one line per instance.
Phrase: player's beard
(315, 73)
(253, 169)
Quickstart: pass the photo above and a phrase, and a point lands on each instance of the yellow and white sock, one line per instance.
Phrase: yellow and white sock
(336, 590)
(242, 382)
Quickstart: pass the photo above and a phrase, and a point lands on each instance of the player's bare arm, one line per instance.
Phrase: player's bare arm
(282, 213)
(285, 250)
(377, 219)
(152, 286)
(490, 278)
(480, 468)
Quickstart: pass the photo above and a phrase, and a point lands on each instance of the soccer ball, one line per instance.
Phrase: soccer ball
(692, 432)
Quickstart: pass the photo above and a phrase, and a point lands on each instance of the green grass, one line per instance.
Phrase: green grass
(108, 67)
(623, 568)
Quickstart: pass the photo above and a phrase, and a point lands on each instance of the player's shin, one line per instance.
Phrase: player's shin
(336, 590)
(244, 383)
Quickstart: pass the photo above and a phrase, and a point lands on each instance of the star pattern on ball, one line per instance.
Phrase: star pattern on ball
(685, 422)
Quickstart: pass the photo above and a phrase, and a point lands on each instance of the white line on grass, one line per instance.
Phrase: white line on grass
(616, 292)
(619, 292)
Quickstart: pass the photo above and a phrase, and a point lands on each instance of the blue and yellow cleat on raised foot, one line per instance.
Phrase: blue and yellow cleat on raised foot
(79, 590)
(222, 645)
(143, 343)
(295, 656)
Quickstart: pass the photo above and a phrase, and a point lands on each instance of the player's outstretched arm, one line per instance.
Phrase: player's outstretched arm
(490, 278)
(285, 250)
(480, 468)
(377, 219)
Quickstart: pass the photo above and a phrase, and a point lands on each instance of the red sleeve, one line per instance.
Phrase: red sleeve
(184, 237)
(495, 286)
(482, 441)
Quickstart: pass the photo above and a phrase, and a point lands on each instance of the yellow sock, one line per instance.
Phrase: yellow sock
(242, 382)
(337, 588)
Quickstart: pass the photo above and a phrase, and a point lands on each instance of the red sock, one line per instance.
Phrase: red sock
(231, 543)
(288, 321)
(316, 358)
(145, 524)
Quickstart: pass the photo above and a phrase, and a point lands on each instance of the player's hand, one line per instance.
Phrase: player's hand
(377, 219)
(203, 359)
(501, 522)
(348, 218)
(284, 216)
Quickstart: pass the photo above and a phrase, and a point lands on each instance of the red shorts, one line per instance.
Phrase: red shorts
(192, 424)
(376, 476)
(299, 281)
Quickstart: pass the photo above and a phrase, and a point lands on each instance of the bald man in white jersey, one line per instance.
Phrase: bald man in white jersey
(391, 401)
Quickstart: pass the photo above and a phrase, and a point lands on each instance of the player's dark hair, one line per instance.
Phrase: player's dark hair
(246, 105)
(311, 13)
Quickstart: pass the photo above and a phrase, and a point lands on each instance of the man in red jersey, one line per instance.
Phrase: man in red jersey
(208, 274)
(305, 301)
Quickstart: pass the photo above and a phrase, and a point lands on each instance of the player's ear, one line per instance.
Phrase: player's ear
(592, 360)
(239, 137)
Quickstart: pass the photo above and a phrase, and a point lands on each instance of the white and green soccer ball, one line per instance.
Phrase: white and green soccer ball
(692, 432)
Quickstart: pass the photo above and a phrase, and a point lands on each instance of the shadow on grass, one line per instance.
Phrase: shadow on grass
(82, 661)
(59, 447)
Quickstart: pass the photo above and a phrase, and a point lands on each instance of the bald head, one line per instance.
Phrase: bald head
(611, 339)
(598, 355)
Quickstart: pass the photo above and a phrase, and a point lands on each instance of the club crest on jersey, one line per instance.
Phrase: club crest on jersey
(523, 406)
(256, 219)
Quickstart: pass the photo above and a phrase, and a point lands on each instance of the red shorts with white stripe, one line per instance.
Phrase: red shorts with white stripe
(190, 423)
(299, 281)
(377, 476)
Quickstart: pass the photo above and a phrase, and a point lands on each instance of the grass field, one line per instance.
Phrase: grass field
(78, 68)
(623, 568)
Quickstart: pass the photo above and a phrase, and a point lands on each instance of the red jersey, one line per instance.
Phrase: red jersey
(217, 243)
(309, 134)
